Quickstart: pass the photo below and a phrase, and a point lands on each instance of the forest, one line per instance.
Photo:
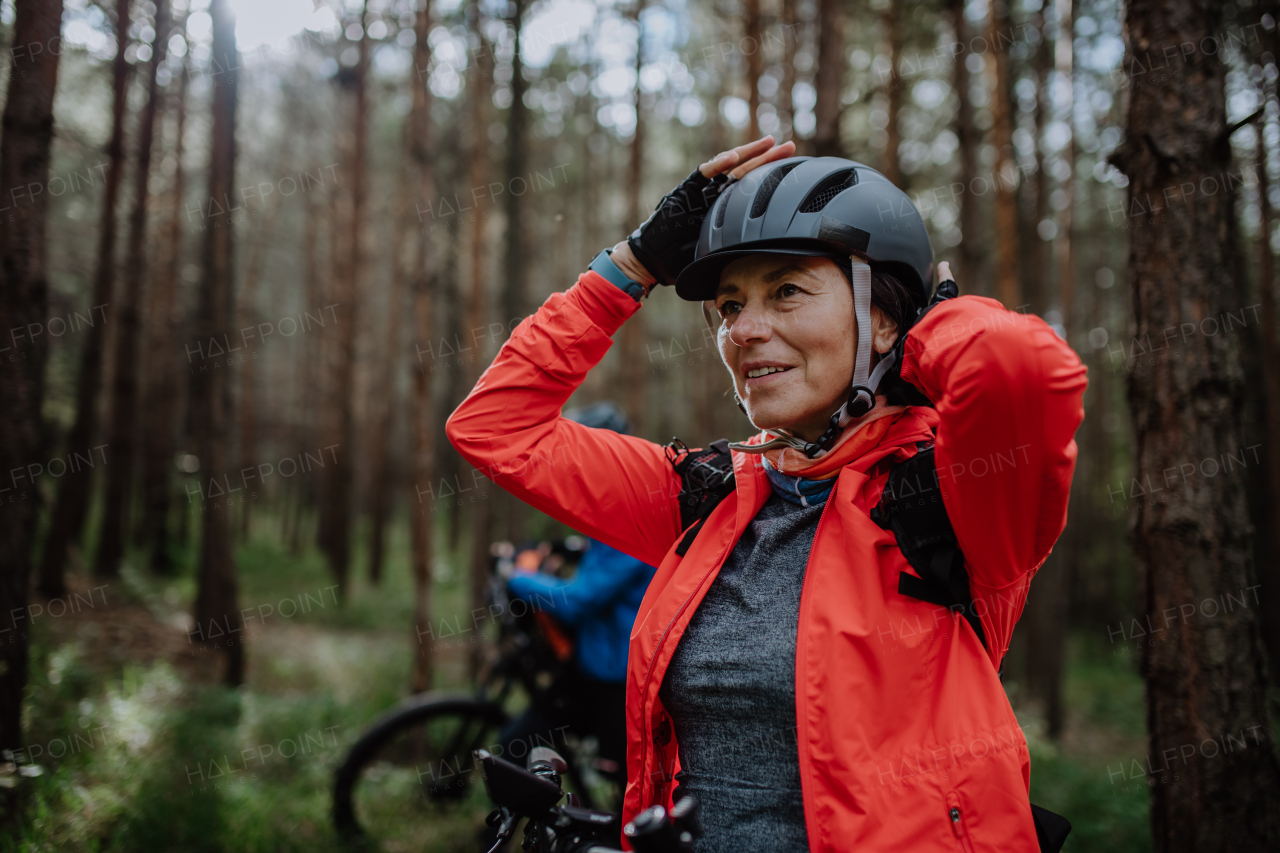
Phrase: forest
(253, 253)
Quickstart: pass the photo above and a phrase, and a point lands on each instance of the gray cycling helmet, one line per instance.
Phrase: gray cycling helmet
(812, 206)
(819, 206)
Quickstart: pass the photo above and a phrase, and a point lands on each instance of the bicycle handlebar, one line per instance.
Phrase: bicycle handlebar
(534, 793)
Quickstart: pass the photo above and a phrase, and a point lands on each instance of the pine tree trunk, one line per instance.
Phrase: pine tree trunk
(828, 79)
(386, 394)
(1208, 683)
(118, 498)
(1269, 572)
(162, 392)
(752, 36)
(1036, 272)
(336, 510)
(24, 162)
(264, 235)
(999, 38)
(71, 509)
(481, 77)
(217, 614)
(1064, 258)
(634, 371)
(423, 418)
(311, 368)
(1049, 603)
(893, 88)
(790, 36)
(969, 250)
(516, 256)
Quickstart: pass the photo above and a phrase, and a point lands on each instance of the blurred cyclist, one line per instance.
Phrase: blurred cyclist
(600, 602)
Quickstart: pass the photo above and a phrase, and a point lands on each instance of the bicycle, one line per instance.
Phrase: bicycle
(408, 782)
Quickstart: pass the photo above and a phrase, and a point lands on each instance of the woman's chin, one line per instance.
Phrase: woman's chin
(769, 419)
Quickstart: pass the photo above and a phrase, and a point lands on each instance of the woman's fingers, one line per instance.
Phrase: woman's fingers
(728, 159)
(778, 152)
(944, 271)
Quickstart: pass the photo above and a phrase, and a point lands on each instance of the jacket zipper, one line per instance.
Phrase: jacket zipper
(957, 825)
(809, 819)
(653, 659)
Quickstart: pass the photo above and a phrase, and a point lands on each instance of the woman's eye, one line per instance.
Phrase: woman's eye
(788, 290)
(728, 309)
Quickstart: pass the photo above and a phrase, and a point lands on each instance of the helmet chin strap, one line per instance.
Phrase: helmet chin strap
(862, 393)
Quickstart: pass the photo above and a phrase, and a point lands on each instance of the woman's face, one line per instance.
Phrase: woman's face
(788, 336)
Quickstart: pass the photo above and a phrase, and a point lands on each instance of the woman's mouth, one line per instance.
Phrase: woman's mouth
(764, 373)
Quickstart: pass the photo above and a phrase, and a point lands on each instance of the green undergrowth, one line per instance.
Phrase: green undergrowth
(1082, 777)
(156, 759)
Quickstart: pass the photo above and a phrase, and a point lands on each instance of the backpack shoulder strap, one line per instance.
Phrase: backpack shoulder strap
(912, 508)
(706, 478)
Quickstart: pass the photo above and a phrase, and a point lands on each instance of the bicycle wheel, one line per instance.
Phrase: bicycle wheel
(410, 783)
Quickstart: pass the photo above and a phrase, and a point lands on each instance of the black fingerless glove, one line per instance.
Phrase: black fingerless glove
(666, 242)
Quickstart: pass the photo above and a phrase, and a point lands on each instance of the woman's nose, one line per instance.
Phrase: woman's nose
(751, 325)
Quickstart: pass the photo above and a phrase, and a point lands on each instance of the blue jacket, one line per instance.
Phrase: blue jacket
(600, 602)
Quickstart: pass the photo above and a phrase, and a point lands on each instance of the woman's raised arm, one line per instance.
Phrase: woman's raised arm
(618, 489)
(615, 488)
(1008, 392)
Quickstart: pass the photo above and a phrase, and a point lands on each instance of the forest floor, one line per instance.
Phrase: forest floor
(137, 752)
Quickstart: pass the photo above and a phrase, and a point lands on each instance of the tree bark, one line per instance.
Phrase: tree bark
(1208, 681)
(828, 80)
(1049, 604)
(999, 37)
(423, 519)
(516, 256)
(336, 510)
(118, 498)
(24, 162)
(1064, 257)
(1036, 272)
(968, 252)
(71, 509)
(1269, 572)
(633, 366)
(386, 394)
(1270, 575)
(752, 35)
(893, 88)
(217, 614)
(264, 234)
(161, 398)
(790, 36)
(481, 77)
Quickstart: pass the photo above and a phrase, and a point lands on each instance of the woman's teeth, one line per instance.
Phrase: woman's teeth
(764, 371)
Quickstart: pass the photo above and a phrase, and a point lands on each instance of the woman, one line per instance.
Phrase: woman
(775, 669)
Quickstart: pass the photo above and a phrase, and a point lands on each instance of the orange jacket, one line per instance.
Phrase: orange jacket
(906, 739)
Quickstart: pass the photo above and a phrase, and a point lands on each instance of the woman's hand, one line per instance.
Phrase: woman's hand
(664, 245)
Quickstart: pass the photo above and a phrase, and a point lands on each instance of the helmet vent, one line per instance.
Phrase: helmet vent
(830, 187)
(724, 205)
(767, 189)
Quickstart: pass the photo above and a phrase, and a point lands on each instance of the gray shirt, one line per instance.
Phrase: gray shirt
(730, 689)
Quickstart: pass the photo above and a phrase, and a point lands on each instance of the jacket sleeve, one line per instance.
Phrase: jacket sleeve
(1009, 396)
(604, 574)
(618, 489)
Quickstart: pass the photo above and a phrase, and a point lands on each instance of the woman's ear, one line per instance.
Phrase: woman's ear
(884, 332)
